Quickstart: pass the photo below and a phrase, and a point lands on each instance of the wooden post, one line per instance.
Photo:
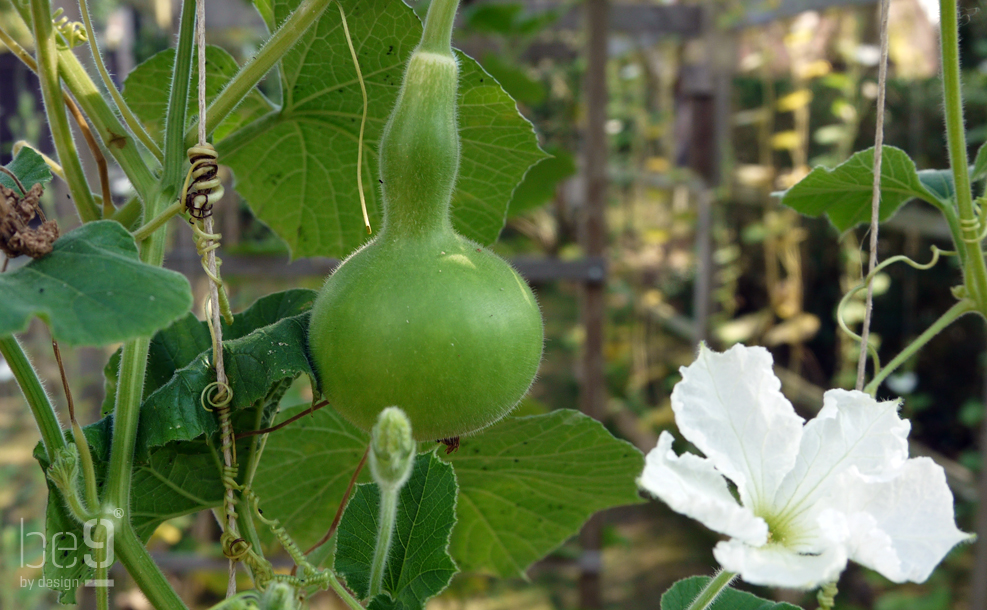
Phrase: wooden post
(593, 236)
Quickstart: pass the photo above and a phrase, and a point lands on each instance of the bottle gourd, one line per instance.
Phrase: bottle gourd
(421, 317)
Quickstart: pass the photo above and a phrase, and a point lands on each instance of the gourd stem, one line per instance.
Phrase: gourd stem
(385, 531)
(437, 37)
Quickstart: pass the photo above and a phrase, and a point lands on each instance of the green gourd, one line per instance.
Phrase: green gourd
(421, 317)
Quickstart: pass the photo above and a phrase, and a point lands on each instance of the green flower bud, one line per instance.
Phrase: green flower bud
(64, 471)
(279, 596)
(392, 450)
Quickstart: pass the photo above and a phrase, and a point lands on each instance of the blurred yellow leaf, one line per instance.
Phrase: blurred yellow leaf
(167, 533)
(754, 175)
(818, 68)
(785, 140)
(743, 328)
(652, 298)
(659, 165)
(797, 329)
(655, 236)
(794, 100)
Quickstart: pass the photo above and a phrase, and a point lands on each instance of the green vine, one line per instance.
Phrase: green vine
(974, 267)
(58, 122)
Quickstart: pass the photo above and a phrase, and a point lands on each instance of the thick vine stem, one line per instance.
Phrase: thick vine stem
(105, 122)
(174, 137)
(128, 115)
(58, 123)
(34, 392)
(135, 558)
(712, 590)
(975, 270)
(133, 363)
(303, 17)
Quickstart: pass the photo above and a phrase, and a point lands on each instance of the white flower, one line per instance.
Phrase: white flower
(811, 497)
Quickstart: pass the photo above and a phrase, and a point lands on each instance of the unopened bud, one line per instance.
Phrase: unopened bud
(64, 471)
(280, 596)
(392, 450)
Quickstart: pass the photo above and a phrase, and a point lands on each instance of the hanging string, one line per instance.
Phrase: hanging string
(882, 77)
(204, 191)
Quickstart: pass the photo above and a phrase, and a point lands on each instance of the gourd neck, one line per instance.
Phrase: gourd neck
(419, 150)
(437, 36)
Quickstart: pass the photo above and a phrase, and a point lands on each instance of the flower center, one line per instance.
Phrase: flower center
(782, 529)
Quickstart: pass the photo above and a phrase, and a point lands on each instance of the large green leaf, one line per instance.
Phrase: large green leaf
(418, 565)
(145, 91)
(306, 468)
(29, 168)
(178, 345)
(93, 289)
(529, 483)
(843, 194)
(297, 167)
(685, 591)
(171, 479)
(260, 367)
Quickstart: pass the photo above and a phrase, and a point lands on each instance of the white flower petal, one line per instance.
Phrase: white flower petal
(864, 541)
(914, 510)
(691, 485)
(851, 430)
(731, 407)
(777, 566)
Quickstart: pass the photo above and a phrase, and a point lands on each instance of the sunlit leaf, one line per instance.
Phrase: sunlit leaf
(843, 194)
(29, 168)
(93, 289)
(297, 168)
(529, 483)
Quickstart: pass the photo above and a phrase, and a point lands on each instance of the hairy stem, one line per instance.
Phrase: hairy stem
(437, 36)
(709, 594)
(135, 126)
(126, 412)
(133, 363)
(385, 532)
(58, 122)
(27, 378)
(102, 572)
(176, 118)
(975, 271)
(132, 554)
(303, 17)
(114, 135)
(129, 213)
(343, 594)
(955, 312)
(158, 221)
